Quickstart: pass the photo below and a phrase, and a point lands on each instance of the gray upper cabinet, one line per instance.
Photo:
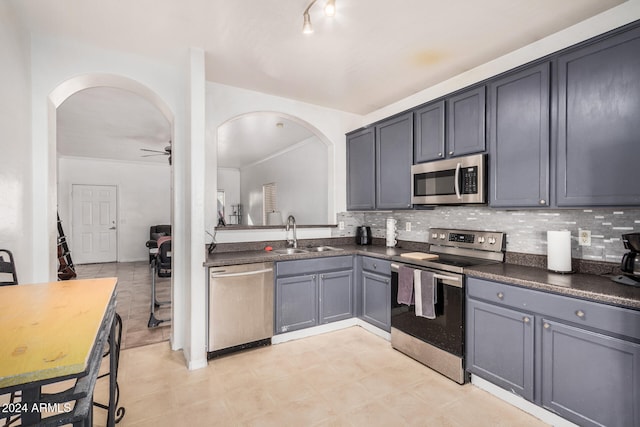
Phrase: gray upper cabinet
(598, 125)
(429, 133)
(466, 122)
(394, 157)
(361, 170)
(519, 131)
(590, 378)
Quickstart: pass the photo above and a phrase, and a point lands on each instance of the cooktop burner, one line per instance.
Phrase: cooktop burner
(457, 249)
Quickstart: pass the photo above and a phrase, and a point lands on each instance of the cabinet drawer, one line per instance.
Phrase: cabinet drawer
(377, 265)
(314, 265)
(592, 315)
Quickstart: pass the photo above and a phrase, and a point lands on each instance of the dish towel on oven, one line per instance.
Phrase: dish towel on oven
(425, 294)
(405, 285)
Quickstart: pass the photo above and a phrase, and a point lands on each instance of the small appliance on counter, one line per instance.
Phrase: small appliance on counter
(630, 264)
(363, 235)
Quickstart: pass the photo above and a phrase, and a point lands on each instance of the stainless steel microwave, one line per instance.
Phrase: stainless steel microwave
(460, 180)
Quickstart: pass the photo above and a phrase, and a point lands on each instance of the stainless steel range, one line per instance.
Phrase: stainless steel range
(434, 335)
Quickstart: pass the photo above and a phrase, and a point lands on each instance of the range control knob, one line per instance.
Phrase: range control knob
(480, 239)
(443, 236)
(492, 240)
(434, 235)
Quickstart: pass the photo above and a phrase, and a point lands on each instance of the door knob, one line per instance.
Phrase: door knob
(112, 228)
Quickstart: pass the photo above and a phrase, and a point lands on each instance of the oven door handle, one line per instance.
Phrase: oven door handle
(456, 182)
(441, 277)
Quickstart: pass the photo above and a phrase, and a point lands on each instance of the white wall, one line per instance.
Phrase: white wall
(300, 174)
(144, 198)
(58, 68)
(226, 102)
(229, 181)
(15, 148)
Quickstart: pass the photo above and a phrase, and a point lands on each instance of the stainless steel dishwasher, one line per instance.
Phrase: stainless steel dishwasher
(240, 307)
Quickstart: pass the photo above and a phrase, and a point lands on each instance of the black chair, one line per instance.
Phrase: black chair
(161, 265)
(7, 267)
(155, 232)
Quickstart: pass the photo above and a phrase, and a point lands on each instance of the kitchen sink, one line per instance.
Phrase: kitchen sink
(324, 249)
(290, 251)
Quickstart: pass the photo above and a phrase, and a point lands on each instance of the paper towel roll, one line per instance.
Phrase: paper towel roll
(391, 232)
(559, 251)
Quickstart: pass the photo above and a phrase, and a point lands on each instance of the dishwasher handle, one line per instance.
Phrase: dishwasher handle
(215, 275)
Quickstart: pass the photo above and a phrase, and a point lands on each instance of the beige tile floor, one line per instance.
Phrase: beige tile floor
(134, 299)
(343, 378)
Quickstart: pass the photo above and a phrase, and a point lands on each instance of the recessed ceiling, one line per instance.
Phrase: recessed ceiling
(111, 123)
(254, 137)
(371, 54)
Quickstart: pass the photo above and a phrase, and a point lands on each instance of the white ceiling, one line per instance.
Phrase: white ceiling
(373, 53)
(111, 123)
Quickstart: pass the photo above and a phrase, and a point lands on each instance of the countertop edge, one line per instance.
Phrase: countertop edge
(599, 297)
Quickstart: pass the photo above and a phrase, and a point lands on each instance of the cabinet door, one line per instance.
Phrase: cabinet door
(500, 346)
(296, 303)
(598, 126)
(519, 138)
(394, 157)
(376, 300)
(466, 122)
(589, 378)
(428, 129)
(361, 167)
(336, 296)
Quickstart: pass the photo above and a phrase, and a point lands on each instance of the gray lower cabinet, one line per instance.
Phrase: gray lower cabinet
(519, 131)
(500, 346)
(598, 126)
(376, 292)
(313, 291)
(590, 378)
(296, 303)
(579, 359)
(336, 296)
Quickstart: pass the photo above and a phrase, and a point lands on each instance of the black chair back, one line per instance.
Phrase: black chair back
(8, 275)
(163, 259)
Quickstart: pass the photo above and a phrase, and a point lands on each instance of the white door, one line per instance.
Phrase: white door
(94, 224)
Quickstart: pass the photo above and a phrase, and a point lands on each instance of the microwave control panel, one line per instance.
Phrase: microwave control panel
(469, 180)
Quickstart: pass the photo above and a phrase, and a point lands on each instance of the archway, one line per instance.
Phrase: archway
(288, 136)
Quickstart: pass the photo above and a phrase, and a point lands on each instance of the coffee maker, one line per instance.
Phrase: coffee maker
(630, 264)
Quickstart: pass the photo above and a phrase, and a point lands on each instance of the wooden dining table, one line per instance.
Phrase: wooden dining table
(53, 332)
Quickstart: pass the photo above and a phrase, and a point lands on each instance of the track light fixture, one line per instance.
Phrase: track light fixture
(329, 10)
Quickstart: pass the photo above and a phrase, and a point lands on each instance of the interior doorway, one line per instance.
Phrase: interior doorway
(94, 223)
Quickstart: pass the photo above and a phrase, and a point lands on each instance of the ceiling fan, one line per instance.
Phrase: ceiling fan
(166, 152)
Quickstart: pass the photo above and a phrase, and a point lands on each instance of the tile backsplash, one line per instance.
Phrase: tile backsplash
(526, 229)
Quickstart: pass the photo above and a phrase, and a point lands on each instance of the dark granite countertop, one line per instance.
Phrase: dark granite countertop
(218, 259)
(594, 287)
(598, 288)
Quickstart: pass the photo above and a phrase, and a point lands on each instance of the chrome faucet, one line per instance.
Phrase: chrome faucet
(291, 243)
